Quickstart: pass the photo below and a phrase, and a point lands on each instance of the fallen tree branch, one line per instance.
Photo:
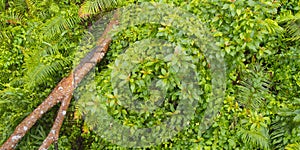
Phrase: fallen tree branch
(54, 132)
(56, 96)
(61, 93)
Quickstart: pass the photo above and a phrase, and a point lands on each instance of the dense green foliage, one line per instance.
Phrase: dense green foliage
(260, 40)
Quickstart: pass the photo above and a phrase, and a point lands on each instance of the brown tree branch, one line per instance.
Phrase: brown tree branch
(54, 132)
(56, 96)
(61, 93)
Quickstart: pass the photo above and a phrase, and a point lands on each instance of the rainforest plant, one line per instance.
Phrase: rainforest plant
(39, 41)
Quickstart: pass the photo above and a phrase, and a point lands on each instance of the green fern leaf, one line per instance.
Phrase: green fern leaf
(292, 25)
(41, 72)
(278, 130)
(294, 146)
(253, 88)
(92, 7)
(58, 24)
(256, 138)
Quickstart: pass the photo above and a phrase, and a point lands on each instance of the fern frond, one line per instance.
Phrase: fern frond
(41, 72)
(43, 64)
(288, 16)
(255, 138)
(278, 130)
(12, 17)
(287, 120)
(91, 7)
(5, 35)
(271, 26)
(30, 5)
(59, 24)
(252, 88)
(293, 29)
(292, 25)
(292, 110)
(18, 6)
(294, 146)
